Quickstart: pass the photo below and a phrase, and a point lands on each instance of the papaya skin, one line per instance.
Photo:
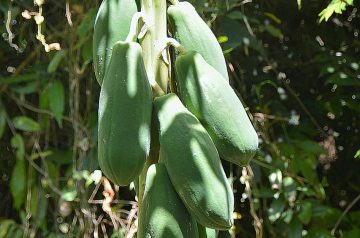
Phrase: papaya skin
(125, 107)
(215, 104)
(205, 232)
(163, 215)
(193, 164)
(112, 23)
(194, 34)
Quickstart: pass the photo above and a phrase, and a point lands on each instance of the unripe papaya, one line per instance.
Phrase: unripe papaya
(205, 232)
(125, 106)
(193, 164)
(194, 34)
(215, 104)
(112, 23)
(162, 213)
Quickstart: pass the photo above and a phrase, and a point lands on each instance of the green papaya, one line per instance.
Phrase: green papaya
(218, 108)
(112, 23)
(162, 213)
(125, 106)
(194, 34)
(193, 164)
(205, 232)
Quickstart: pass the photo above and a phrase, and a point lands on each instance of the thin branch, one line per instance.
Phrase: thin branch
(344, 213)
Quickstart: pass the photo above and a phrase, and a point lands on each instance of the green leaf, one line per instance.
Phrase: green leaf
(336, 6)
(41, 154)
(28, 88)
(87, 23)
(56, 60)
(118, 234)
(299, 4)
(324, 216)
(289, 185)
(2, 119)
(17, 143)
(305, 212)
(69, 194)
(357, 154)
(4, 227)
(38, 205)
(310, 146)
(86, 51)
(57, 100)
(276, 208)
(19, 78)
(307, 168)
(264, 193)
(26, 124)
(342, 79)
(318, 233)
(295, 229)
(18, 183)
(353, 233)
(274, 31)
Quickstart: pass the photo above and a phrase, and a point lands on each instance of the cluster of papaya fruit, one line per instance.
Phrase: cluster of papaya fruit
(186, 193)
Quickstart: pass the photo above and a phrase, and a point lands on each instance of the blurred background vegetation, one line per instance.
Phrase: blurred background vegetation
(294, 64)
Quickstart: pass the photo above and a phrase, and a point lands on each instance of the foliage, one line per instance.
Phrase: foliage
(298, 78)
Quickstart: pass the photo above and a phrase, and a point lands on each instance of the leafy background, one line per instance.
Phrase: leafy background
(294, 64)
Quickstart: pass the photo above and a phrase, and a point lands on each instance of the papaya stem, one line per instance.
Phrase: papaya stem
(154, 29)
(133, 32)
(164, 43)
(155, 16)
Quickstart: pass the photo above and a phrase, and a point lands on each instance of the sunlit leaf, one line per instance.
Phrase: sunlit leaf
(56, 60)
(276, 208)
(26, 124)
(41, 154)
(357, 154)
(273, 17)
(4, 227)
(69, 194)
(299, 4)
(335, 6)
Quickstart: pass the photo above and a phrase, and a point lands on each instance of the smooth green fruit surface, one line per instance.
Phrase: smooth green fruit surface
(125, 106)
(163, 215)
(205, 232)
(193, 164)
(216, 105)
(194, 34)
(112, 23)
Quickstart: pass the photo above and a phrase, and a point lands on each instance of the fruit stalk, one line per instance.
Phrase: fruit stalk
(155, 20)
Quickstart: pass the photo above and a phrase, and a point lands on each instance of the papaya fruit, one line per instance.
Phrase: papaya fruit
(194, 34)
(125, 107)
(163, 215)
(112, 23)
(193, 164)
(205, 232)
(218, 108)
